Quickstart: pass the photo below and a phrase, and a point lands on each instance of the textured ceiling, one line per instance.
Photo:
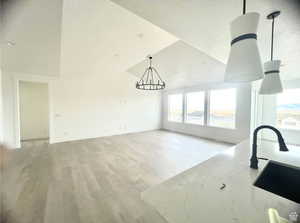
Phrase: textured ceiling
(204, 24)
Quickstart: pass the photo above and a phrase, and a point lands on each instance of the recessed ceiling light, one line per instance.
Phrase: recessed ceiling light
(140, 35)
(9, 43)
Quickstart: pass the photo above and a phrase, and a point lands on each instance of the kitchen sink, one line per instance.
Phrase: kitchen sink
(281, 179)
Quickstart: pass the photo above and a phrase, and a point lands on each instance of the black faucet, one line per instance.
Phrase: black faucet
(282, 145)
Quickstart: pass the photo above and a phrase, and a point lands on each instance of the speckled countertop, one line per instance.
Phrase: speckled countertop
(196, 196)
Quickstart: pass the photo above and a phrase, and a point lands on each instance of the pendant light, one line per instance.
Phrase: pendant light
(151, 79)
(271, 83)
(244, 62)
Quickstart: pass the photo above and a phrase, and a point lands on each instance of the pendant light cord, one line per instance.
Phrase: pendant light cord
(272, 38)
(244, 7)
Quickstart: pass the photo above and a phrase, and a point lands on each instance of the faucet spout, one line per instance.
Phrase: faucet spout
(282, 145)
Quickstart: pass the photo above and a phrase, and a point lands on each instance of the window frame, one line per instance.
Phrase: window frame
(209, 109)
(207, 106)
(297, 130)
(182, 109)
(185, 107)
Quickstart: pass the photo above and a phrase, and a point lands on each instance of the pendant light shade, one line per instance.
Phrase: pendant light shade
(244, 63)
(271, 83)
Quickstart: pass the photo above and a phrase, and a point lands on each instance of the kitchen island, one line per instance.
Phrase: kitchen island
(220, 190)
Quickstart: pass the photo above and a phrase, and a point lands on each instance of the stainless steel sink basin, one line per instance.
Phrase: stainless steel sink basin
(280, 179)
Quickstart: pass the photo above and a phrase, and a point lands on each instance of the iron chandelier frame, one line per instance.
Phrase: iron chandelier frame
(151, 79)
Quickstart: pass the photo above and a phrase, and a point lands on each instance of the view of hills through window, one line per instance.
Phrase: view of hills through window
(175, 105)
(195, 107)
(288, 109)
(222, 108)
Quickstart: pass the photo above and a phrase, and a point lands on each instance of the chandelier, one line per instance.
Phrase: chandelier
(151, 79)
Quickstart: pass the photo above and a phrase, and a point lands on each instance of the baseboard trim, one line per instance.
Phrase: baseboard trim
(33, 139)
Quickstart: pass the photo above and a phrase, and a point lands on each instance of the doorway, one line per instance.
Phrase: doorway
(34, 113)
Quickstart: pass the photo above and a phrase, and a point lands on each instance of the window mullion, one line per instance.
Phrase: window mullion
(184, 107)
(207, 107)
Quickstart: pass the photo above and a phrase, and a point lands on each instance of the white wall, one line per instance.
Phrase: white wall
(268, 114)
(34, 110)
(1, 41)
(1, 121)
(102, 105)
(89, 49)
(8, 96)
(88, 107)
(243, 116)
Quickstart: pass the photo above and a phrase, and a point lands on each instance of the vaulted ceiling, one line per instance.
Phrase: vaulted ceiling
(204, 24)
(101, 37)
(33, 29)
(183, 65)
(189, 39)
(71, 37)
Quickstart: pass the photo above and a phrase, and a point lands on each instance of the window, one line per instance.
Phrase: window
(175, 105)
(218, 111)
(222, 108)
(288, 109)
(195, 107)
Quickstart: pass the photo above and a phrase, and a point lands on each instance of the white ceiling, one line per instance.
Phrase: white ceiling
(181, 65)
(204, 24)
(101, 38)
(34, 26)
(71, 37)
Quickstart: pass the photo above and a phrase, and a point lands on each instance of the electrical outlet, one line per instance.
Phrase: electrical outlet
(57, 115)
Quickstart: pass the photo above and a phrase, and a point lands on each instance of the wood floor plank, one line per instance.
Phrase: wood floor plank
(97, 180)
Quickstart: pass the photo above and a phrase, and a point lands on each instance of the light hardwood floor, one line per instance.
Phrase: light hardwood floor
(97, 180)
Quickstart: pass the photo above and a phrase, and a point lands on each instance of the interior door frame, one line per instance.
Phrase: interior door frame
(34, 79)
